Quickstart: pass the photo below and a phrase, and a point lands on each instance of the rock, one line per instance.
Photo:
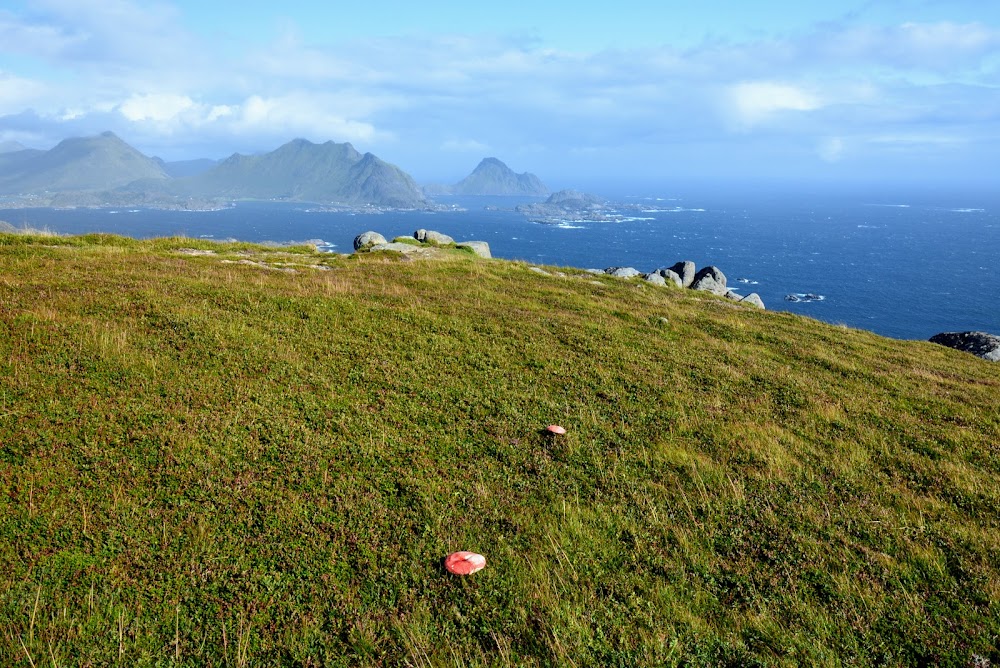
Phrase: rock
(432, 237)
(753, 299)
(594, 271)
(366, 240)
(979, 344)
(735, 296)
(710, 279)
(539, 270)
(480, 248)
(395, 246)
(655, 279)
(622, 272)
(686, 270)
(671, 276)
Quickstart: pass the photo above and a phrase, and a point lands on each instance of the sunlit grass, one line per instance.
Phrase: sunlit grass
(213, 463)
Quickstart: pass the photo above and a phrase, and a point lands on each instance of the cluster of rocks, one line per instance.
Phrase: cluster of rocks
(373, 241)
(686, 275)
(979, 344)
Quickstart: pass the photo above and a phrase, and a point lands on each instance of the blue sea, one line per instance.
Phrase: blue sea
(906, 265)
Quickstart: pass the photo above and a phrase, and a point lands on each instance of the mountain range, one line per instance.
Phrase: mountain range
(104, 169)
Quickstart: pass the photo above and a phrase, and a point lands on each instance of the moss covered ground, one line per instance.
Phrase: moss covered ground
(260, 456)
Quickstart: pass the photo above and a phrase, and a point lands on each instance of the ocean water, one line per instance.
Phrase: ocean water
(905, 265)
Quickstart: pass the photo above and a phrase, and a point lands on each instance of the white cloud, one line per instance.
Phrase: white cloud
(754, 102)
(160, 107)
(17, 93)
(464, 146)
(299, 114)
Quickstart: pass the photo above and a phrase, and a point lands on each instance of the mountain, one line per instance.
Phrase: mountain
(181, 168)
(492, 177)
(11, 147)
(304, 171)
(102, 162)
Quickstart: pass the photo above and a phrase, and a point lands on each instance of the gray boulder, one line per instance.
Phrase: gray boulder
(979, 344)
(710, 279)
(754, 300)
(655, 279)
(480, 248)
(622, 272)
(395, 246)
(671, 276)
(430, 236)
(366, 240)
(735, 296)
(686, 270)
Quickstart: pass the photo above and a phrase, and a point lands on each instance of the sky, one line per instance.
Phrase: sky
(578, 93)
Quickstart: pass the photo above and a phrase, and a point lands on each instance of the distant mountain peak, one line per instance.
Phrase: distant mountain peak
(303, 171)
(11, 147)
(493, 177)
(99, 162)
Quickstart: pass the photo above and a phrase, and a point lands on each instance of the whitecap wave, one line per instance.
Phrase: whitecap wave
(968, 210)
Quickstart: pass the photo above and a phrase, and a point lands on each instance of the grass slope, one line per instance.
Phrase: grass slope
(212, 460)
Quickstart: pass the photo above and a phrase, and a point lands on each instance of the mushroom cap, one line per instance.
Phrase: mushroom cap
(556, 429)
(464, 563)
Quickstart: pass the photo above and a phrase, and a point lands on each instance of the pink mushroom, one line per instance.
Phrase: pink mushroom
(464, 563)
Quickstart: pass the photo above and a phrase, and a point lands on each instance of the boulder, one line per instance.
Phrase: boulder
(753, 299)
(671, 276)
(686, 270)
(432, 237)
(395, 246)
(655, 279)
(480, 248)
(979, 344)
(710, 279)
(366, 240)
(622, 272)
(735, 296)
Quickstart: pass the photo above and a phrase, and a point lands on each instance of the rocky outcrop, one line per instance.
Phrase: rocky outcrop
(979, 344)
(710, 279)
(683, 274)
(480, 248)
(669, 275)
(432, 237)
(622, 272)
(686, 270)
(655, 278)
(366, 240)
(429, 241)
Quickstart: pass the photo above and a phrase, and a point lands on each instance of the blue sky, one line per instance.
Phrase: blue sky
(652, 92)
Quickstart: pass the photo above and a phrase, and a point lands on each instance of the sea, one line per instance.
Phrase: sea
(905, 264)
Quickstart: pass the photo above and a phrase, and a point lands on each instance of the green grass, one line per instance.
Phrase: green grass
(206, 462)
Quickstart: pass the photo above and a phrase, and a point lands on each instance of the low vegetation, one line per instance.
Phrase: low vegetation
(256, 456)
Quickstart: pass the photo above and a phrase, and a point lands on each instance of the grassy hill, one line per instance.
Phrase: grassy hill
(261, 456)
